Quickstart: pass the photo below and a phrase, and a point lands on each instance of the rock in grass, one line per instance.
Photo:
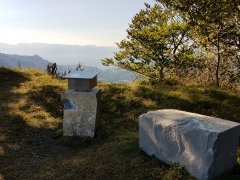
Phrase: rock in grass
(206, 146)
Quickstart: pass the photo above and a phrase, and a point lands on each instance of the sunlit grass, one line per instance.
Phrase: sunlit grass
(31, 123)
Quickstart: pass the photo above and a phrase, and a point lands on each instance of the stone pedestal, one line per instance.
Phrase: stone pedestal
(206, 146)
(81, 112)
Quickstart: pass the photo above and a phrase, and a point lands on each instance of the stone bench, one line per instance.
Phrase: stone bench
(204, 145)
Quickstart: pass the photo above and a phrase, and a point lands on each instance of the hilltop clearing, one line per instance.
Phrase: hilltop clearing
(32, 145)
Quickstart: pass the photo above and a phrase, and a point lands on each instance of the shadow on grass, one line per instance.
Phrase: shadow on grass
(48, 97)
(206, 101)
(19, 142)
(9, 80)
(121, 105)
(122, 108)
(114, 153)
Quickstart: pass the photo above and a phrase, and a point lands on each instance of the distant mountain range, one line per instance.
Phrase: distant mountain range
(37, 62)
(14, 61)
(116, 75)
(89, 55)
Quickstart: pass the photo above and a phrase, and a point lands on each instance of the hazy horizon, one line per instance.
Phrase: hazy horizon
(99, 23)
(62, 54)
(65, 32)
(24, 43)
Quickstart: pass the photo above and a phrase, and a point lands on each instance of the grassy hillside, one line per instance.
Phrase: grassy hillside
(32, 147)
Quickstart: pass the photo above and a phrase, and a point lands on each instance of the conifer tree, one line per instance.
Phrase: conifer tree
(157, 42)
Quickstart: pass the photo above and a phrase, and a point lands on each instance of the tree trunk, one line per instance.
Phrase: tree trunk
(218, 61)
(161, 73)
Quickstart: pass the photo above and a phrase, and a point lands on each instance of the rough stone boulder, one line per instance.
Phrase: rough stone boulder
(80, 112)
(205, 146)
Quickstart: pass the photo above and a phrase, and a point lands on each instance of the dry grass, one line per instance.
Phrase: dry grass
(31, 145)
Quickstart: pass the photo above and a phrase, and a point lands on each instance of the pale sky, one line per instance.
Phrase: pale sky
(80, 22)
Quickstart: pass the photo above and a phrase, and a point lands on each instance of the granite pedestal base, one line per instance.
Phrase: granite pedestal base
(81, 114)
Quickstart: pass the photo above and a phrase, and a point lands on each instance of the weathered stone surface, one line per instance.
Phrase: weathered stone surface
(80, 112)
(206, 146)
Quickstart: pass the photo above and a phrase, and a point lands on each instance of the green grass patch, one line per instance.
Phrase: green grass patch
(32, 147)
